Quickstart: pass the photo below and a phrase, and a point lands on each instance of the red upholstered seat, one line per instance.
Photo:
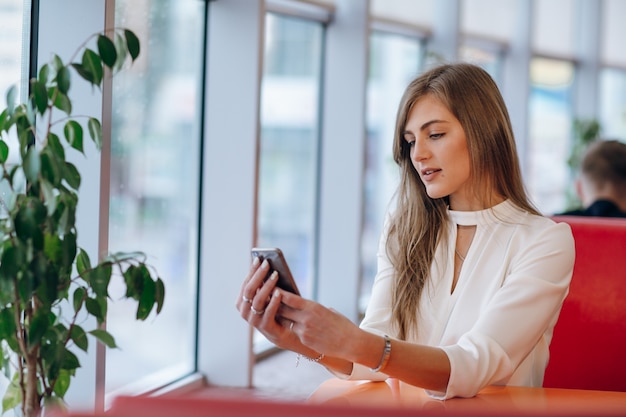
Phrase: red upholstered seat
(588, 350)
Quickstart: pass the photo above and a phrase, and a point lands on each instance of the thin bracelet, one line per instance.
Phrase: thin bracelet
(319, 358)
(385, 357)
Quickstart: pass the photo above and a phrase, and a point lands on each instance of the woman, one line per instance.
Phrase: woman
(471, 277)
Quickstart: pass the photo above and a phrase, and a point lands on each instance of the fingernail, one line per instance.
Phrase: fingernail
(255, 261)
(274, 275)
(276, 293)
(265, 263)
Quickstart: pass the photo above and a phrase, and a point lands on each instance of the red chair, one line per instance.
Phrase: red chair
(588, 350)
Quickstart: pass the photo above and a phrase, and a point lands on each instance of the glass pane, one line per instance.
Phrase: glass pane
(495, 19)
(11, 46)
(412, 12)
(290, 143)
(13, 55)
(550, 119)
(394, 62)
(613, 32)
(490, 61)
(613, 103)
(553, 27)
(154, 186)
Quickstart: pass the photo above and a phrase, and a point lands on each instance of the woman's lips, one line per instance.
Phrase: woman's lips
(429, 173)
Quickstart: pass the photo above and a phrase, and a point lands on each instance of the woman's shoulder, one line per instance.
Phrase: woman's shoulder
(538, 225)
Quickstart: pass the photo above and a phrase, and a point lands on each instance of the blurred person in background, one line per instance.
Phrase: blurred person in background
(601, 181)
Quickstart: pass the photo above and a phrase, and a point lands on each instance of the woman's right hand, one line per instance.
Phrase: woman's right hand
(260, 309)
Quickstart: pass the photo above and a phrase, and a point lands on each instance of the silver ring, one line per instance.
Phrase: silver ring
(255, 311)
(291, 327)
(246, 299)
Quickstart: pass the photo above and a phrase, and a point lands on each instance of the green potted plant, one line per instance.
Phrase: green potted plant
(49, 287)
(585, 131)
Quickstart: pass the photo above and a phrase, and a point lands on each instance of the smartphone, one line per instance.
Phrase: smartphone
(277, 263)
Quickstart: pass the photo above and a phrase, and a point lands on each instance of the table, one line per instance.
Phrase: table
(504, 400)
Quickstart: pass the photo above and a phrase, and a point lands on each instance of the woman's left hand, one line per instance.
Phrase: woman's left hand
(319, 328)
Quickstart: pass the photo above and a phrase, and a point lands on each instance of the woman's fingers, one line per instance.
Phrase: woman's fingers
(252, 282)
(259, 303)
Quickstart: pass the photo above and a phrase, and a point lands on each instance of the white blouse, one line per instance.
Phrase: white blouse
(496, 326)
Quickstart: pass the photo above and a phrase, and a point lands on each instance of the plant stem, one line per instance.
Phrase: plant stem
(32, 400)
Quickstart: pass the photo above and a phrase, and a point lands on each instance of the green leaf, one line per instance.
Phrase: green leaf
(79, 337)
(93, 308)
(104, 337)
(106, 48)
(54, 144)
(11, 99)
(53, 248)
(83, 72)
(40, 95)
(79, 298)
(99, 279)
(63, 80)
(120, 46)
(132, 42)
(95, 131)
(28, 219)
(70, 360)
(60, 389)
(12, 261)
(82, 262)
(147, 298)
(4, 152)
(62, 102)
(7, 322)
(159, 294)
(69, 250)
(5, 121)
(93, 65)
(134, 282)
(57, 63)
(37, 327)
(44, 73)
(74, 135)
(32, 164)
(12, 397)
(72, 176)
(51, 168)
(119, 257)
(49, 197)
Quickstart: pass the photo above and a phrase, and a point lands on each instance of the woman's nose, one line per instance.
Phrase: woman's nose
(419, 150)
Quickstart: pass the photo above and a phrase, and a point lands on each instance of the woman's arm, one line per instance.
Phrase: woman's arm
(343, 343)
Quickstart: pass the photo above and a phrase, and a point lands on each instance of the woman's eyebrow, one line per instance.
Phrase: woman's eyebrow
(424, 126)
(430, 122)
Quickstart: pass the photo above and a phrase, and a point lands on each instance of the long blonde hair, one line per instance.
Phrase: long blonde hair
(417, 223)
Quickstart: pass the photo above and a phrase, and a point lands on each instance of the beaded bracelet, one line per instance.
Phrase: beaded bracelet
(386, 355)
(319, 358)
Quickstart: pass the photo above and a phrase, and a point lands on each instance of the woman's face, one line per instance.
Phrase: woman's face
(439, 153)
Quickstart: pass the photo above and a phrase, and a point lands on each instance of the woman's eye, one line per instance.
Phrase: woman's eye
(435, 135)
(410, 143)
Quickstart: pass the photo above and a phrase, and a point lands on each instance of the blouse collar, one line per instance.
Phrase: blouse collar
(501, 212)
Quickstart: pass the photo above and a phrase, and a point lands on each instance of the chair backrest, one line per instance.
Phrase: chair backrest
(588, 350)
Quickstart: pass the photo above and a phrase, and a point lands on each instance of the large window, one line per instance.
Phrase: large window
(288, 158)
(550, 132)
(613, 103)
(13, 44)
(394, 61)
(154, 183)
